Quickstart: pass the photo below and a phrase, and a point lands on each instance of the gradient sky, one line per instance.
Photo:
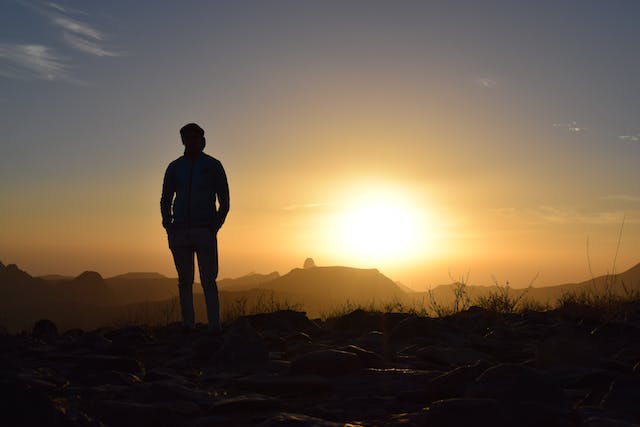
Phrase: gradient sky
(507, 132)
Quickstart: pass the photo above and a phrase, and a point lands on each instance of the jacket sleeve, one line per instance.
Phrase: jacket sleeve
(222, 192)
(166, 200)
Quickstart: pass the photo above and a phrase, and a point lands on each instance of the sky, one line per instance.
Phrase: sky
(428, 139)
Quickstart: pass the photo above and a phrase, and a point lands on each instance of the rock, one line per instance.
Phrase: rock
(425, 330)
(567, 346)
(449, 356)
(606, 422)
(368, 359)
(23, 405)
(284, 321)
(90, 364)
(622, 397)
(45, 330)
(110, 377)
(285, 385)
(94, 341)
(248, 403)
(127, 340)
(455, 382)
(412, 327)
(358, 322)
(169, 391)
(132, 414)
(466, 412)
(205, 347)
(285, 419)
(242, 347)
(326, 363)
(515, 383)
(476, 319)
(308, 263)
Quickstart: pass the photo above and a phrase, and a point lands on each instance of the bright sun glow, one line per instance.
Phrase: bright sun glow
(384, 227)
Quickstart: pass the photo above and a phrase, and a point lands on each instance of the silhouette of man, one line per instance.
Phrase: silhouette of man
(192, 220)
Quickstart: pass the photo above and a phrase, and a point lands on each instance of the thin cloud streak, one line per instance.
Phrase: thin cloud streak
(77, 27)
(543, 215)
(622, 197)
(32, 61)
(572, 127)
(77, 34)
(486, 83)
(630, 138)
(87, 46)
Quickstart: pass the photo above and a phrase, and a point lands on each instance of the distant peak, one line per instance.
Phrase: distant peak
(135, 275)
(89, 275)
(309, 263)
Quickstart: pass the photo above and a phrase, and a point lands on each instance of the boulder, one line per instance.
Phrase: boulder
(288, 321)
(242, 347)
(246, 403)
(327, 363)
(284, 419)
(466, 412)
(622, 397)
(45, 330)
(512, 383)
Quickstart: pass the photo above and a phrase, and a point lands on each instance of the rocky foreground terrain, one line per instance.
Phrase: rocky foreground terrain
(477, 368)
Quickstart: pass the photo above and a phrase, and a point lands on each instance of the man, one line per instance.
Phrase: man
(192, 220)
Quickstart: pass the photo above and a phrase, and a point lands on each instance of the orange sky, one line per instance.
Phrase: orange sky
(390, 141)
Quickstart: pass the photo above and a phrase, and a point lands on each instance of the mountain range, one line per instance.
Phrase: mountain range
(89, 300)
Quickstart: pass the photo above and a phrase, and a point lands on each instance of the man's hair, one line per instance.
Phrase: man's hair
(191, 128)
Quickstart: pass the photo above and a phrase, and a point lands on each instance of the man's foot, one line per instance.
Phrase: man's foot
(186, 329)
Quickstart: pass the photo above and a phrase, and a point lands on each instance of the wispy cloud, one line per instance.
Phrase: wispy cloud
(303, 206)
(545, 214)
(621, 197)
(32, 61)
(78, 34)
(571, 127)
(486, 82)
(43, 60)
(630, 139)
(87, 46)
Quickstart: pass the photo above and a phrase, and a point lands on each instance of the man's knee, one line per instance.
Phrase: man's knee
(185, 285)
(210, 286)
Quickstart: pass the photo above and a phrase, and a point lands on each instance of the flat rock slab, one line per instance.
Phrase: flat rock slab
(247, 404)
(326, 363)
(286, 385)
(299, 420)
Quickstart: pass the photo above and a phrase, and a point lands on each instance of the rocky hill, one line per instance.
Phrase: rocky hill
(477, 368)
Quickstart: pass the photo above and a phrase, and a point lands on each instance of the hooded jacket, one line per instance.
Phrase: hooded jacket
(197, 181)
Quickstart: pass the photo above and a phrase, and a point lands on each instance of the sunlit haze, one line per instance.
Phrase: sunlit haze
(426, 139)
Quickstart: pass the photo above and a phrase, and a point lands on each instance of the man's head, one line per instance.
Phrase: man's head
(192, 137)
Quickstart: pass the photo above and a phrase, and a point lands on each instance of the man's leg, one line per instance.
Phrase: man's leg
(182, 251)
(207, 251)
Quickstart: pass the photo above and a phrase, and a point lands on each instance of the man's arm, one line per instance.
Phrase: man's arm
(166, 200)
(223, 197)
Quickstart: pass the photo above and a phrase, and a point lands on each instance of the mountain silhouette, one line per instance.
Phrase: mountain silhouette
(323, 286)
(139, 276)
(90, 301)
(244, 283)
(618, 284)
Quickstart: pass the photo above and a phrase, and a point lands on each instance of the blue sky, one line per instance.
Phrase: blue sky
(511, 118)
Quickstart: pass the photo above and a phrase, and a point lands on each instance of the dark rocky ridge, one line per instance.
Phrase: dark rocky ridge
(556, 368)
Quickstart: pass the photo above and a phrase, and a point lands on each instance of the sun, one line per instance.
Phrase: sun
(382, 227)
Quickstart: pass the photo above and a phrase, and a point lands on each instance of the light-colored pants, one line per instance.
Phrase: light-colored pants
(202, 241)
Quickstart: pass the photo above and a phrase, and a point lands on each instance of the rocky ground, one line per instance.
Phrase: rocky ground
(557, 368)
